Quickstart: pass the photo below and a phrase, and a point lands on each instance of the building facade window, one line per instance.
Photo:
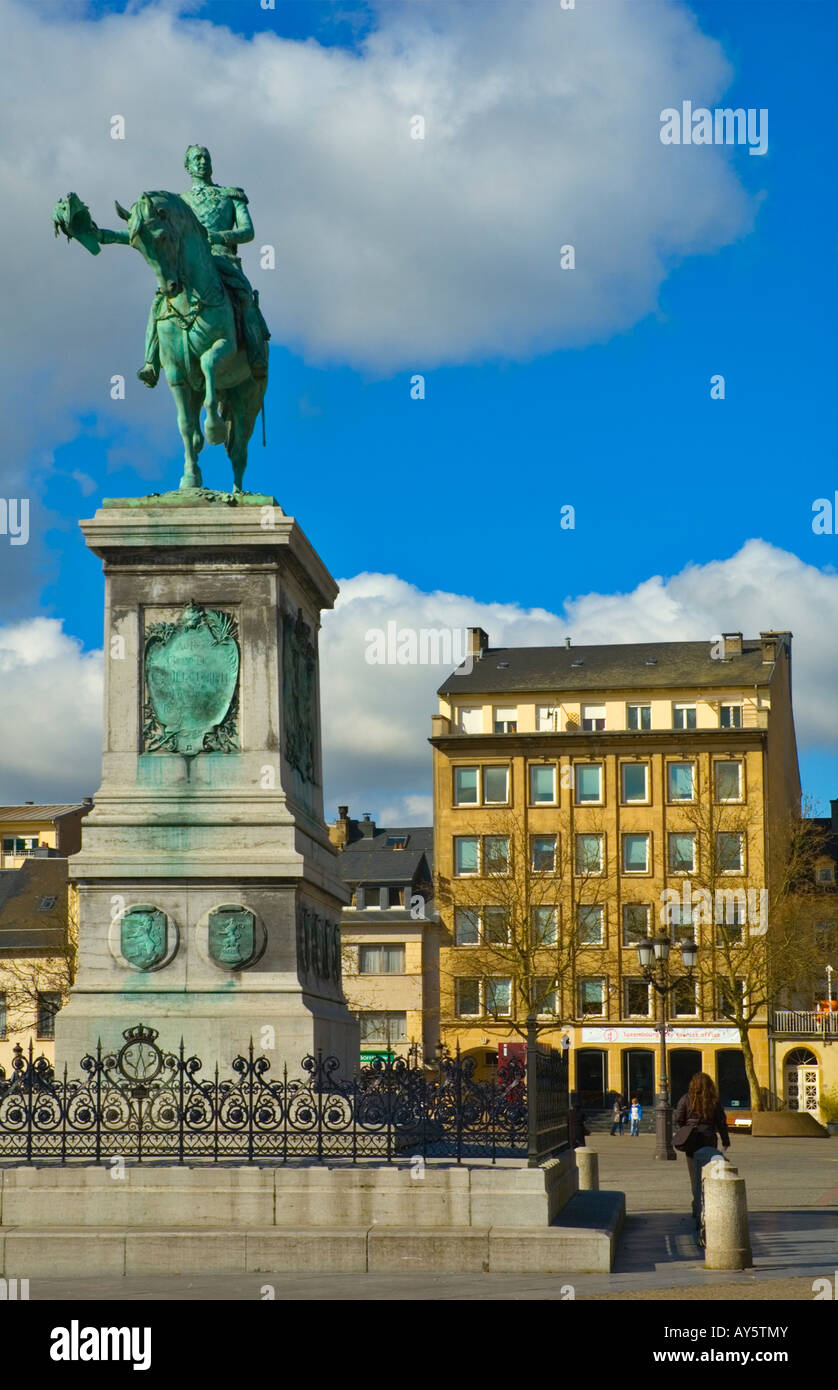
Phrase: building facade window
(681, 925)
(593, 718)
(587, 779)
(498, 996)
(546, 719)
(545, 997)
(470, 719)
(466, 926)
(730, 851)
(466, 855)
(543, 853)
(496, 925)
(636, 854)
(589, 854)
(680, 781)
(48, 1006)
(730, 716)
(685, 999)
(636, 994)
(634, 779)
(381, 960)
(682, 852)
(590, 925)
(545, 925)
(542, 784)
(495, 785)
(683, 716)
(635, 923)
(383, 1028)
(728, 780)
(468, 997)
(496, 854)
(592, 996)
(465, 786)
(506, 719)
(728, 993)
(638, 717)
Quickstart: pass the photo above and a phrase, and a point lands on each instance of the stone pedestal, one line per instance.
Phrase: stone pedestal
(209, 900)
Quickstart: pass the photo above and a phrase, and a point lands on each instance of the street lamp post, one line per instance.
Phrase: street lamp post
(653, 954)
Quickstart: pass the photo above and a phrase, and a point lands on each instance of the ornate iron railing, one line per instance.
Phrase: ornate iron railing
(143, 1103)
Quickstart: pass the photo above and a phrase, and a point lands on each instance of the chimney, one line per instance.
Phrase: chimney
(772, 643)
(733, 644)
(339, 832)
(478, 641)
(567, 642)
(367, 826)
(87, 800)
(834, 805)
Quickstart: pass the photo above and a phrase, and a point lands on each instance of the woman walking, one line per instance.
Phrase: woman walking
(699, 1118)
(617, 1113)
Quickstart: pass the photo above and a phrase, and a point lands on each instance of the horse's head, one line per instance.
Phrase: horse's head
(154, 229)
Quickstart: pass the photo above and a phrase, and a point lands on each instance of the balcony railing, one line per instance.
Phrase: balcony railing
(808, 1022)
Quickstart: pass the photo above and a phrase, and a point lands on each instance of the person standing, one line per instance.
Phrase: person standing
(618, 1110)
(635, 1116)
(576, 1127)
(699, 1119)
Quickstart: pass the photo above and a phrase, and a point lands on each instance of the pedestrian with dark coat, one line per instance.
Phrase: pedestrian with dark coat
(618, 1111)
(576, 1127)
(699, 1119)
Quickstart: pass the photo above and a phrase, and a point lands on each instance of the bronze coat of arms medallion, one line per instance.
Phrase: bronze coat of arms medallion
(191, 677)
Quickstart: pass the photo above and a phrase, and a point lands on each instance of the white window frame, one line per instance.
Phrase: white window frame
(603, 981)
(463, 713)
(633, 1013)
(742, 843)
(686, 706)
(507, 710)
(734, 705)
(595, 720)
(465, 767)
(472, 979)
(676, 868)
(634, 704)
(380, 947)
(471, 873)
(681, 800)
(494, 767)
(585, 872)
(636, 834)
(553, 909)
(729, 800)
(496, 1013)
(543, 767)
(589, 801)
(544, 835)
(587, 908)
(634, 800)
(647, 909)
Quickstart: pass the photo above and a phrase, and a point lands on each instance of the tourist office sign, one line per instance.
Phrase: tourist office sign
(650, 1034)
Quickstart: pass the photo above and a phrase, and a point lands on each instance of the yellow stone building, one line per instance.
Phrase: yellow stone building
(38, 913)
(390, 937)
(583, 797)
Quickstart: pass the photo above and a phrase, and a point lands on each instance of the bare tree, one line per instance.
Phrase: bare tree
(522, 917)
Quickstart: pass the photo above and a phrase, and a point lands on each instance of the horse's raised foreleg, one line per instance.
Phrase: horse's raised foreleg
(187, 403)
(215, 428)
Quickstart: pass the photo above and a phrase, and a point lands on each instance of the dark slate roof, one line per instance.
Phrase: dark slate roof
(14, 814)
(22, 926)
(621, 666)
(368, 860)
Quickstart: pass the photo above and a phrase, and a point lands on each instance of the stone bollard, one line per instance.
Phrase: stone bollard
(727, 1241)
(587, 1163)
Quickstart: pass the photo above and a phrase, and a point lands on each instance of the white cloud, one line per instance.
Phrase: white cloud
(52, 714)
(393, 253)
(376, 719)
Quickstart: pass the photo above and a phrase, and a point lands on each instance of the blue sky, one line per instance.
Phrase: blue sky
(462, 491)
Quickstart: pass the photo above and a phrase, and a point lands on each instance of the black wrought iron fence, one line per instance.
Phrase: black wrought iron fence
(143, 1103)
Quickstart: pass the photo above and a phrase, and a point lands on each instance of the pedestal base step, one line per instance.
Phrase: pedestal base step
(563, 1249)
